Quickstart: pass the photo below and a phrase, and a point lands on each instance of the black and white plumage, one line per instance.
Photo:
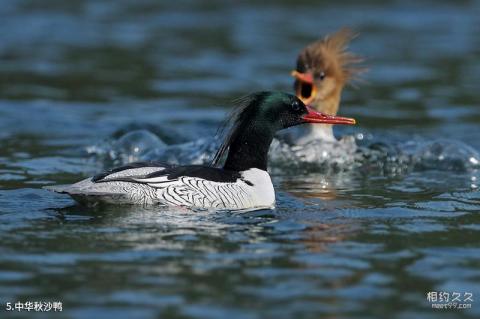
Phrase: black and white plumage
(190, 186)
(242, 183)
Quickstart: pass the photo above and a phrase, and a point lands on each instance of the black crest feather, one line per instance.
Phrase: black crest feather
(236, 122)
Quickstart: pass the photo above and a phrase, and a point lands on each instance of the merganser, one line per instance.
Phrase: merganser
(323, 69)
(243, 182)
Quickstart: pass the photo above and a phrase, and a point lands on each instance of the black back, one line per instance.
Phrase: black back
(172, 172)
(199, 171)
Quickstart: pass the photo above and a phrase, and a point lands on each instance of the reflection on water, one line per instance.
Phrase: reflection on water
(135, 78)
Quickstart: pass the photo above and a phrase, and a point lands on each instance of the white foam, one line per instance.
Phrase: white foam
(392, 156)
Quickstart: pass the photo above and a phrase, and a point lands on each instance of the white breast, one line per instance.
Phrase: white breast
(262, 192)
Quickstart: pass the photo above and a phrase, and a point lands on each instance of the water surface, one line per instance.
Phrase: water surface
(345, 244)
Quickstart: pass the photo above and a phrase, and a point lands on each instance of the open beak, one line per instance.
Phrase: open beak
(305, 88)
(316, 117)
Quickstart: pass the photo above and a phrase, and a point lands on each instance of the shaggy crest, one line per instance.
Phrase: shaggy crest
(236, 122)
(330, 55)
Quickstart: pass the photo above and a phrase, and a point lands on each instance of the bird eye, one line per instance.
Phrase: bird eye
(322, 75)
(295, 106)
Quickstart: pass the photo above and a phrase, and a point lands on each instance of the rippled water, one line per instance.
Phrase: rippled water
(368, 241)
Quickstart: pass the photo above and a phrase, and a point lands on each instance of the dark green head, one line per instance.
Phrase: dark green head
(268, 112)
(255, 120)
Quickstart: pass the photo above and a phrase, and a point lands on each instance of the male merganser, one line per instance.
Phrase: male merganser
(323, 68)
(242, 183)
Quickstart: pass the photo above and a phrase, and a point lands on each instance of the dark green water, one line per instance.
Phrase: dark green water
(345, 245)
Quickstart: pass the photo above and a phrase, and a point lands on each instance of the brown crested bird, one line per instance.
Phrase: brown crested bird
(323, 69)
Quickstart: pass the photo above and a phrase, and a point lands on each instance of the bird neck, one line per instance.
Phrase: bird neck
(330, 104)
(249, 149)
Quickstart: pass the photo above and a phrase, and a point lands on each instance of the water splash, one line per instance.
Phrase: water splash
(361, 152)
(445, 154)
(317, 155)
(131, 147)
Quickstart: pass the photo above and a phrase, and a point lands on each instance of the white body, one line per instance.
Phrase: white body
(254, 190)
